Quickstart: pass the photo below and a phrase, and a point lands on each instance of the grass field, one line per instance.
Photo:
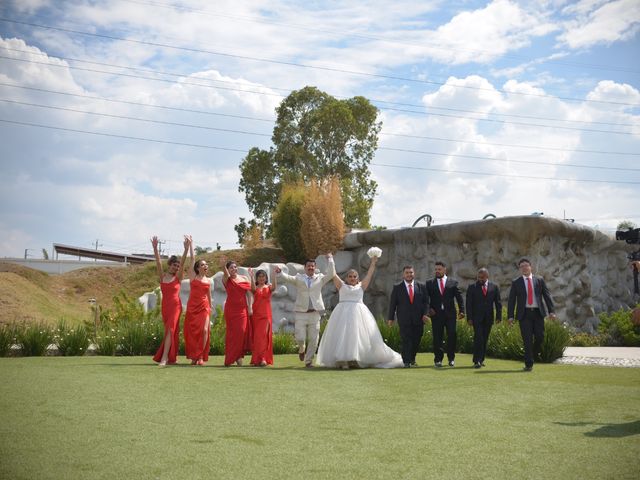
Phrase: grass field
(123, 418)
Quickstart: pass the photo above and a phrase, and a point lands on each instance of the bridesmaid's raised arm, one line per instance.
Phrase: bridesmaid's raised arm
(186, 244)
(273, 276)
(225, 270)
(192, 272)
(154, 242)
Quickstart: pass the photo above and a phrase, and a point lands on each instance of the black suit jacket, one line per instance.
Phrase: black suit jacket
(518, 297)
(452, 294)
(399, 305)
(480, 306)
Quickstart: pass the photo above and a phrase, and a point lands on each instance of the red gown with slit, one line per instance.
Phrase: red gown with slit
(196, 322)
(261, 327)
(171, 310)
(236, 319)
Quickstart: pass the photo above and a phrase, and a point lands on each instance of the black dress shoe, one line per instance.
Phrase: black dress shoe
(407, 365)
(476, 365)
(452, 363)
(438, 364)
(527, 369)
(482, 364)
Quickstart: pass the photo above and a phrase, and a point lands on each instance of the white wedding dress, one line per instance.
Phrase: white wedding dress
(353, 335)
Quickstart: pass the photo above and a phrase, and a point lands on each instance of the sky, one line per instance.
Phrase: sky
(124, 119)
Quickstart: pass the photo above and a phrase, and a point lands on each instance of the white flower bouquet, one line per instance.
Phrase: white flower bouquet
(374, 252)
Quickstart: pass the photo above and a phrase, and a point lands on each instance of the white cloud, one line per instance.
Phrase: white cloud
(598, 23)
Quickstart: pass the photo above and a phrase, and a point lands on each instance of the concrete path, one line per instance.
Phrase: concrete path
(606, 356)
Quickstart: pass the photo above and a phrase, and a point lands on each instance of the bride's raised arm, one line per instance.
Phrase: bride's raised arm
(369, 276)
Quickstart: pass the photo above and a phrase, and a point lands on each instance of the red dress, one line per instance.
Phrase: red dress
(261, 322)
(196, 321)
(236, 319)
(171, 310)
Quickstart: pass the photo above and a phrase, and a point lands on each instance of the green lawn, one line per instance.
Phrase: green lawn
(123, 418)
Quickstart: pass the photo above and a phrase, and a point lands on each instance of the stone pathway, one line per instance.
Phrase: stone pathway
(605, 356)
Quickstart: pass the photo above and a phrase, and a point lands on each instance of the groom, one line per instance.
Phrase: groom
(309, 305)
(409, 303)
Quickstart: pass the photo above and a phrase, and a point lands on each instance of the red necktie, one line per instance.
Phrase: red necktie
(441, 287)
(484, 289)
(529, 292)
(410, 293)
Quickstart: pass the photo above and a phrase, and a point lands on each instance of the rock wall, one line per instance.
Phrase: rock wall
(586, 271)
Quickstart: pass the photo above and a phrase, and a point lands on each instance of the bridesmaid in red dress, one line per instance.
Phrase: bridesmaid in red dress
(196, 322)
(170, 282)
(236, 313)
(261, 320)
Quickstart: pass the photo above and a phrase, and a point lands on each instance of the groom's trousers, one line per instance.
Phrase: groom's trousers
(307, 331)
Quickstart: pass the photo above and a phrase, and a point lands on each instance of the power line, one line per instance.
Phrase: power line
(301, 65)
(138, 104)
(244, 132)
(480, 119)
(206, 112)
(128, 137)
(289, 90)
(368, 36)
(487, 174)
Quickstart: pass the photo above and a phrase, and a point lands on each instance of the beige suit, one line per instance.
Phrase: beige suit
(308, 306)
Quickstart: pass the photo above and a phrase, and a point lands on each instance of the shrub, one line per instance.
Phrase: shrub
(390, 335)
(287, 222)
(140, 338)
(426, 342)
(505, 341)
(71, 340)
(618, 328)
(34, 339)
(218, 332)
(464, 336)
(7, 338)
(322, 228)
(284, 343)
(556, 339)
(106, 341)
(585, 340)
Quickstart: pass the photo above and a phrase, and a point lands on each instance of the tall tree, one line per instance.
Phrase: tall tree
(316, 136)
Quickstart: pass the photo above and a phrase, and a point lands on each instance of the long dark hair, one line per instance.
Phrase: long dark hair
(262, 272)
(196, 266)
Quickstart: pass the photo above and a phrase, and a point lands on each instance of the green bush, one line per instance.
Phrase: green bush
(106, 342)
(585, 340)
(218, 332)
(287, 222)
(34, 339)
(7, 338)
(140, 338)
(618, 329)
(464, 337)
(390, 335)
(426, 342)
(556, 339)
(505, 341)
(71, 341)
(284, 343)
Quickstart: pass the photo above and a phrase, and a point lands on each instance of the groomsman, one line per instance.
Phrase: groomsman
(409, 303)
(444, 293)
(482, 296)
(531, 295)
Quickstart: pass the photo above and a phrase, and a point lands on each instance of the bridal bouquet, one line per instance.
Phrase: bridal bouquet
(374, 252)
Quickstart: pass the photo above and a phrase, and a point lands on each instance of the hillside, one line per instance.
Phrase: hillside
(31, 295)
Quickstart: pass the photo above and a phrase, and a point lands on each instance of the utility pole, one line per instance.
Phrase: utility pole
(97, 244)
(160, 243)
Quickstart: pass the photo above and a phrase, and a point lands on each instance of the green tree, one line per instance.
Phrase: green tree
(316, 136)
(287, 221)
(625, 225)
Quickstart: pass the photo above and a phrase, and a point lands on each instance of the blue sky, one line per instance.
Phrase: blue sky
(497, 107)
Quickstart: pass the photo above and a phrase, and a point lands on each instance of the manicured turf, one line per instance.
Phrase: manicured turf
(122, 418)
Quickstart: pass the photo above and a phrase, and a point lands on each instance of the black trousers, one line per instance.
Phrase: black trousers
(440, 323)
(481, 331)
(410, 336)
(532, 330)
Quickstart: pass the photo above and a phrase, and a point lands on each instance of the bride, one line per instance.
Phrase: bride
(352, 337)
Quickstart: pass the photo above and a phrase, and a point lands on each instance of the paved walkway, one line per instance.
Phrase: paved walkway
(606, 356)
